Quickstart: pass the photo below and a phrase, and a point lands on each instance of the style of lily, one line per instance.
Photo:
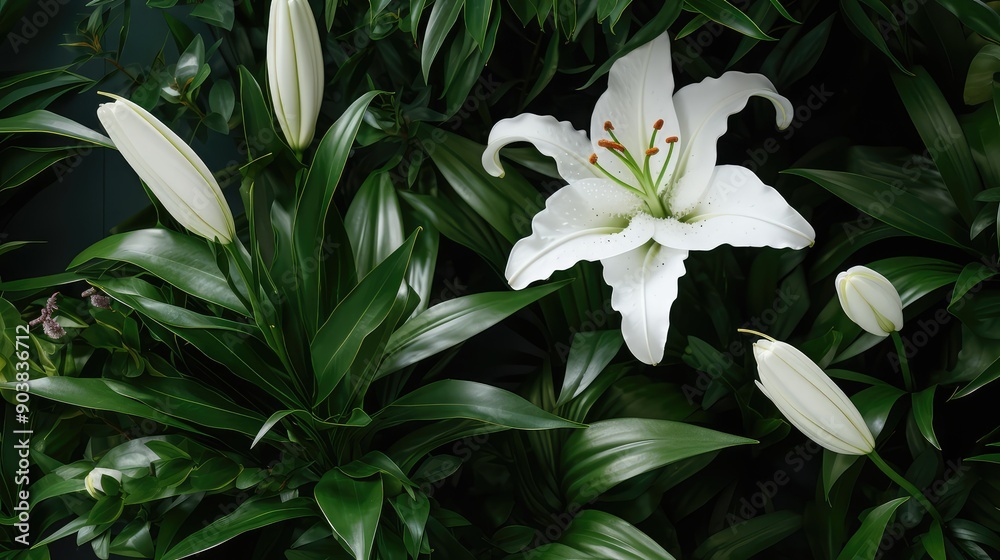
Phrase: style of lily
(644, 190)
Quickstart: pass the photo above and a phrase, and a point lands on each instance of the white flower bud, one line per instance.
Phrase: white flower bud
(294, 70)
(870, 300)
(173, 172)
(810, 400)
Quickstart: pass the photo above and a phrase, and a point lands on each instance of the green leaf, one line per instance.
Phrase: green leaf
(317, 222)
(611, 9)
(854, 13)
(747, 539)
(923, 413)
(184, 261)
(220, 13)
(374, 222)
(508, 204)
(933, 542)
(864, 544)
(477, 19)
(589, 354)
(51, 123)
(971, 276)
(462, 227)
(106, 510)
(806, 53)
(444, 14)
(261, 138)
(596, 535)
(329, 12)
(249, 516)
(413, 512)
(94, 394)
(889, 204)
(732, 17)
(943, 136)
(191, 401)
(455, 321)
(144, 298)
(612, 451)
(352, 508)
(979, 81)
(978, 15)
(453, 398)
(337, 343)
(19, 164)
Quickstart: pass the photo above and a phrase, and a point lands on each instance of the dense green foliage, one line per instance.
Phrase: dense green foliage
(358, 380)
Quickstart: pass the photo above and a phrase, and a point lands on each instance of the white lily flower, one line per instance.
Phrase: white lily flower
(170, 168)
(93, 481)
(870, 300)
(644, 189)
(810, 400)
(294, 70)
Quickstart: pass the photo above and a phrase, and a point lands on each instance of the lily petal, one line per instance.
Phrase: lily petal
(557, 139)
(739, 210)
(644, 287)
(703, 110)
(640, 87)
(585, 220)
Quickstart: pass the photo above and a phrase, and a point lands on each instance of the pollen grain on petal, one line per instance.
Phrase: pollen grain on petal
(608, 126)
(671, 139)
(658, 125)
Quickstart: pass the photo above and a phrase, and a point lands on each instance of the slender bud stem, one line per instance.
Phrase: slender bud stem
(904, 365)
(906, 485)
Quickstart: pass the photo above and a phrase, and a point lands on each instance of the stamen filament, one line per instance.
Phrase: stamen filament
(666, 162)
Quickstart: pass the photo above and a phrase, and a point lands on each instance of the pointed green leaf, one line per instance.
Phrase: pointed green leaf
(943, 136)
(317, 226)
(184, 261)
(335, 346)
(889, 204)
(747, 539)
(352, 508)
(612, 451)
(51, 123)
(453, 398)
(589, 354)
(864, 544)
(923, 413)
(249, 516)
(453, 322)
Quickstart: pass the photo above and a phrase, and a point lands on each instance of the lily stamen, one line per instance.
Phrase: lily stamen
(666, 162)
(657, 126)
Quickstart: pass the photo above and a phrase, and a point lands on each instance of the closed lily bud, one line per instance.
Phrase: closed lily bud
(870, 300)
(93, 481)
(170, 168)
(810, 400)
(294, 70)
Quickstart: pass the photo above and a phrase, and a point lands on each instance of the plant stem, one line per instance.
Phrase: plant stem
(903, 363)
(906, 485)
